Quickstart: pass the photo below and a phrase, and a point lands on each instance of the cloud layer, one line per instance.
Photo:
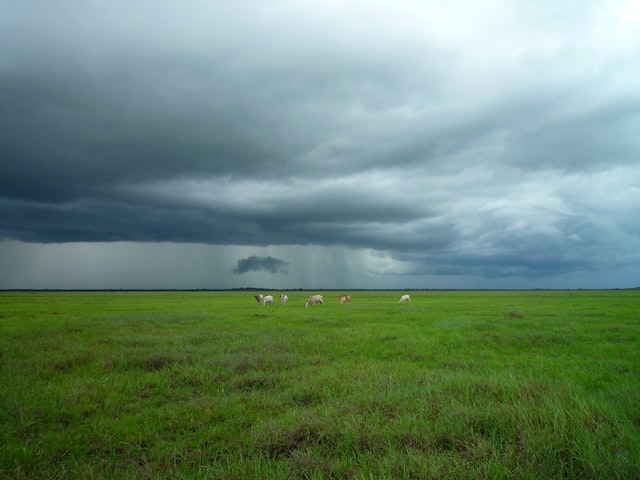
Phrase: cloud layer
(489, 139)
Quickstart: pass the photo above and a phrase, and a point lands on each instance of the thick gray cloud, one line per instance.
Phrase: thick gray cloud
(457, 139)
(255, 263)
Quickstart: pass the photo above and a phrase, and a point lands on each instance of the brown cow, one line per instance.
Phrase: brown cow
(344, 298)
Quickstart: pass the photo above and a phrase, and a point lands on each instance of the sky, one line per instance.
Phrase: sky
(309, 144)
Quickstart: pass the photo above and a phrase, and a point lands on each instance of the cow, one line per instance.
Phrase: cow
(344, 298)
(284, 298)
(405, 299)
(313, 299)
(264, 299)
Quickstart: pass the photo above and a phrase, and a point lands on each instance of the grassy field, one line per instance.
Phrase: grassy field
(464, 385)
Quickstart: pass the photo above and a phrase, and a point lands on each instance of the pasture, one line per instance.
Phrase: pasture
(464, 385)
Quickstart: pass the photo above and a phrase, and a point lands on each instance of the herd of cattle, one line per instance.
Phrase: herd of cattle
(313, 299)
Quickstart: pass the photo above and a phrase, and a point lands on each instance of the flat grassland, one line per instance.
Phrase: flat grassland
(464, 385)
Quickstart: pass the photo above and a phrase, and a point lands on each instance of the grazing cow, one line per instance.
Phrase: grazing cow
(405, 299)
(344, 298)
(313, 299)
(284, 298)
(264, 299)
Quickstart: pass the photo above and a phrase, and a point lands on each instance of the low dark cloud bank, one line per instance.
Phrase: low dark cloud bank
(256, 264)
(501, 143)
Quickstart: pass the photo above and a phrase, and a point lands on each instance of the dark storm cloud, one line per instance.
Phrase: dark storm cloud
(254, 263)
(500, 142)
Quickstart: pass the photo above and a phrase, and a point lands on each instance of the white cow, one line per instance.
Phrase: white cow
(284, 298)
(264, 299)
(405, 299)
(313, 299)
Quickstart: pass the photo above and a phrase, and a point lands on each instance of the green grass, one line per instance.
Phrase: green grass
(463, 385)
